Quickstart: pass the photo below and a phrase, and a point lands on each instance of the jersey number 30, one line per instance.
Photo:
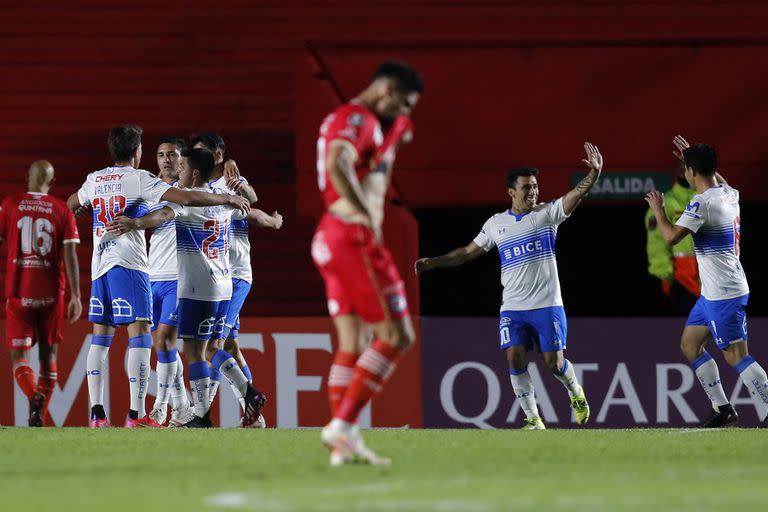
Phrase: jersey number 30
(105, 210)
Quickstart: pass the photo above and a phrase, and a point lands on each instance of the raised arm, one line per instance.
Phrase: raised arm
(454, 258)
(672, 233)
(681, 144)
(71, 266)
(260, 218)
(123, 224)
(237, 183)
(594, 161)
(199, 198)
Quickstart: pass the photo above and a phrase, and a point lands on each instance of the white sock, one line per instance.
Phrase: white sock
(199, 390)
(523, 386)
(213, 388)
(227, 365)
(95, 365)
(754, 377)
(179, 398)
(568, 377)
(138, 378)
(166, 373)
(709, 378)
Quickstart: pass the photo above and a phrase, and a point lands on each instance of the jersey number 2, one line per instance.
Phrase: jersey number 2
(215, 226)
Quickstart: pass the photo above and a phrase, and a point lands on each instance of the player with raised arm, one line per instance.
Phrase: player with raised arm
(120, 291)
(226, 179)
(163, 277)
(41, 234)
(363, 287)
(532, 312)
(205, 285)
(713, 219)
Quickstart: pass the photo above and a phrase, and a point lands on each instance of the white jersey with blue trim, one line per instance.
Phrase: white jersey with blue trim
(240, 245)
(713, 217)
(526, 245)
(163, 264)
(203, 250)
(115, 191)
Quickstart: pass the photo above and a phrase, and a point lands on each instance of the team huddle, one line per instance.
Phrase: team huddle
(194, 279)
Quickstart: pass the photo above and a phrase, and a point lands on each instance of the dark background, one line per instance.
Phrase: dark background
(601, 258)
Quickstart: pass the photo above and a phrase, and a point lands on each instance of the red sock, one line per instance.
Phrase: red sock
(373, 368)
(339, 378)
(45, 384)
(25, 377)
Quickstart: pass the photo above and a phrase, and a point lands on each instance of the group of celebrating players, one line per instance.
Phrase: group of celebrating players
(194, 280)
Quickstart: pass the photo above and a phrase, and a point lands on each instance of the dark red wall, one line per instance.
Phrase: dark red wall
(505, 84)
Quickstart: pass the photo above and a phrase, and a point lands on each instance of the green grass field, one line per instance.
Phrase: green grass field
(433, 470)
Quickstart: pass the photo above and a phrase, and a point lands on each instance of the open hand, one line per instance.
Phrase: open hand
(240, 203)
(681, 144)
(594, 159)
(121, 225)
(655, 200)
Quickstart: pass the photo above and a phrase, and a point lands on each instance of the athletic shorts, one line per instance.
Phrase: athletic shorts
(726, 319)
(201, 320)
(240, 289)
(119, 297)
(360, 276)
(31, 320)
(545, 327)
(163, 303)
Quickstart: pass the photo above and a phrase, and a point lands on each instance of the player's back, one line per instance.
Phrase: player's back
(36, 227)
(114, 191)
(240, 244)
(203, 251)
(714, 217)
(163, 264)
(356, 126)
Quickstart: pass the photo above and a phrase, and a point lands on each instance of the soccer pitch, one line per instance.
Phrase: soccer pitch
(433, 470)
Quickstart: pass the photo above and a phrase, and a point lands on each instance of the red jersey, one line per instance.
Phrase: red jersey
(357, 126)
(35, 226)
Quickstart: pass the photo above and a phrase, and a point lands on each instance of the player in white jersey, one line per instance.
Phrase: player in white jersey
(163, 275)
(205, 285)
(120, 292)
(226, 179)
(713, 218)
(532, 310)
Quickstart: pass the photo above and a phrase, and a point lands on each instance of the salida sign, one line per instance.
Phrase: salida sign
(626, 185)
(631, 369)
(289, 358)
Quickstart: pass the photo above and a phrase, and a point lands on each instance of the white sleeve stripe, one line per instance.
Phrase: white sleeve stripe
(72, 241)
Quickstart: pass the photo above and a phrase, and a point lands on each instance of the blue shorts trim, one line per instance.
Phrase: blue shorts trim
(240, 289)
(545, 327)
(726, 319)
(119, 297)
(201, 320)
(163, 303)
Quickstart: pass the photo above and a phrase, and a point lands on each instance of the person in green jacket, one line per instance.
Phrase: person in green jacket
(675, 266)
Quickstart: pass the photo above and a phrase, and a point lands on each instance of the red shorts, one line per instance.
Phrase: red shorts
(360, 276)
(31, 320)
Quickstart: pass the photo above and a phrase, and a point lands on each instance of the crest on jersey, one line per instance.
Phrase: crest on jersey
(355, 119)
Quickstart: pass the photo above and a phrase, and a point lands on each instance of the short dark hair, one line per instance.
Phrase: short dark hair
(123, 141)
(702, 158)
(520, 171)
(406, 78)
(212, 141)
(176, 141)
(200, 159)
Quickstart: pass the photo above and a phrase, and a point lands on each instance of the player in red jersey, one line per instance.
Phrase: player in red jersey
(41, 232)
(364, 290)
